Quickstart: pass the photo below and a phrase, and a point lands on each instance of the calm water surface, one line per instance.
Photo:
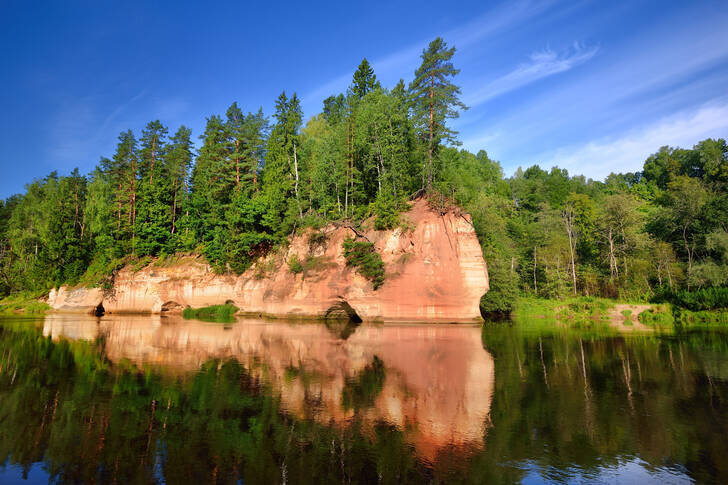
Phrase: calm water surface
(164, 400)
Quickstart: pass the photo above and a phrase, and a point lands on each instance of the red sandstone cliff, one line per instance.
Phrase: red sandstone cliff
(434, 272)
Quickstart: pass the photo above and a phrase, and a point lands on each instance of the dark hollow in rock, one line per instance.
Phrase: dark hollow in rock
(172, 307)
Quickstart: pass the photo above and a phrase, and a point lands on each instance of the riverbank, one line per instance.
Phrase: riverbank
(23, 304)
(621, 315)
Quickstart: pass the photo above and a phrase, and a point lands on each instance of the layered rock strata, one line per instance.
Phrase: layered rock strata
(434, 272)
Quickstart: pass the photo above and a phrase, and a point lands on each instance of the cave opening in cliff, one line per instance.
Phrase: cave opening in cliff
(342, 320)
(172, 307)
(342, 311)
(99, 310)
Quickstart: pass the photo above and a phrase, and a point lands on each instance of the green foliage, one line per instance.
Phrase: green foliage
(294, 265)
(387, 213)
(23, 303)
(252, 184)
(659, 316)
(363, 256)
(697, 300)
(216, 313)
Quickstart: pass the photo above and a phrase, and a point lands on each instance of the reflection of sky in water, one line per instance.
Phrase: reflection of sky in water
(501, 403)
(632, 471)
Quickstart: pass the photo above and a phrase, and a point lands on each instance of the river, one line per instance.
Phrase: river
(150, 399)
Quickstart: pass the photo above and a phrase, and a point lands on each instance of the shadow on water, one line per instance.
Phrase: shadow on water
(159, 399)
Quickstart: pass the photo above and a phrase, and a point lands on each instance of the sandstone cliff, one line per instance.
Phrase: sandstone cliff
(434, 272)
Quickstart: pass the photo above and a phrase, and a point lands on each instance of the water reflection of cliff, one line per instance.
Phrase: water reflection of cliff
(436, 381)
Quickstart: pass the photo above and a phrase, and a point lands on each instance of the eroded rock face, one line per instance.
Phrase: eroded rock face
(434, 272)
(437, 382)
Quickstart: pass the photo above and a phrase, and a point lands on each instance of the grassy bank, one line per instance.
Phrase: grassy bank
(588, 310)
(569, 308)
(216, 313)
(24, 304)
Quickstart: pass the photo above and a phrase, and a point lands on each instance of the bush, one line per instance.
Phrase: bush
(364, 257)
(660, 316)
(294, 265)
(387, 211)
(698, 300)
(501, 297)
(216, 313)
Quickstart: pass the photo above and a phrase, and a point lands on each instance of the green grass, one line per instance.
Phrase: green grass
(700, 318)
(627, 313)
(216, 313)
(309, 265)
(658, 316)
(25, 303)
(569, 308)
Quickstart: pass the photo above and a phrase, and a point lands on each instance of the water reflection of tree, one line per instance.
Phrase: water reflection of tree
(87, 420)
(62, 404)
(361, 390)
(608, 398)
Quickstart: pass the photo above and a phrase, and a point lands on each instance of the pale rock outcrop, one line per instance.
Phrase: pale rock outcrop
(434, 272)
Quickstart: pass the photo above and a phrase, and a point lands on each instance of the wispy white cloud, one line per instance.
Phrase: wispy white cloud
(121, 108)
(402, 62)
(627, 153)
(80, 125)
(542, 64)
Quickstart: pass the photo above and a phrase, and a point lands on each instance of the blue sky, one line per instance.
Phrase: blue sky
(592, 86)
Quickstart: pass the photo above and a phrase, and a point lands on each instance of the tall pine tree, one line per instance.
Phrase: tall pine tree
(435, 100)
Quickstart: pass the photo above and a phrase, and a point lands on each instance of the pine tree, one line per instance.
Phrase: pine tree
(179, 164)
(153, 219)
(435, 100)
(282, 176)
(365, 81)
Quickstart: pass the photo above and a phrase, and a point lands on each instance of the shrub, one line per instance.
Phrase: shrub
(294, 265)
(501, 297)
(216, 313)
(364, 257)
(660, 316)
(387, 211)
(697, 300)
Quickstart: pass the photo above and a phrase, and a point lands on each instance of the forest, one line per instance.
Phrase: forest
(250, 182)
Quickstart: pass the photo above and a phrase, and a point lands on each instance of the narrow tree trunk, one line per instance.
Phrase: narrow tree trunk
(237, 164)
(174, 208)
(613, 269)
(535, 286)
(568, 219)
(154, 149)
(432, 129)
(295, 167)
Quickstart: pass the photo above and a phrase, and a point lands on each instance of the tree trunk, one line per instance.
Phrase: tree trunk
(237, 164)
(174, 207)
(535, 286)
(432, 129)
(295, 167)
(154, 149)
(568, 219)
(613, 269)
